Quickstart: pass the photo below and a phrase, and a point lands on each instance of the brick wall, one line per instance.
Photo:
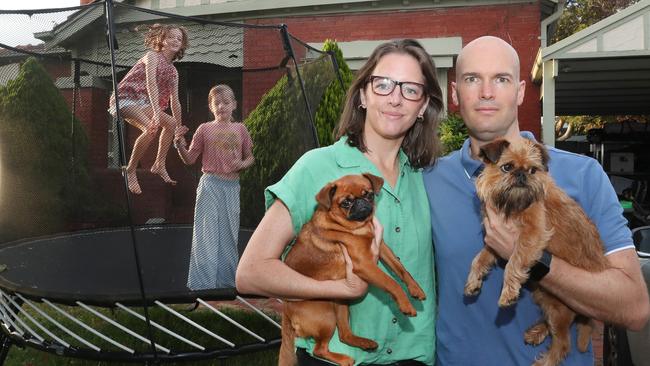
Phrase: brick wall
(516, 23)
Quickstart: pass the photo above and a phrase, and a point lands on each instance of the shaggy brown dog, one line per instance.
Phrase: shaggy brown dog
(343, 218)
(516, 183)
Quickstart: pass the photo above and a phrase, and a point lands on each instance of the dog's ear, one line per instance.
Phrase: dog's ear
(326, 194)
(491, 153)
(375, 181)
(544, 155)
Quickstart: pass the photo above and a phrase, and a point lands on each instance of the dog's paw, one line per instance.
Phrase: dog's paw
(536, 334)
(417, 293)
(507, 299)
(367, 344)
(408, 309)
(473, 288)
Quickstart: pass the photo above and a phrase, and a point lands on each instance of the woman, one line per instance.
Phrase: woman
(388, 128)
(226, 149)
(144, 95)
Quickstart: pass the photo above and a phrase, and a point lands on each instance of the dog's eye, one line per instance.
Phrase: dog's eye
(506, 167)
(370, 195)
(346, 203)
(533, 170)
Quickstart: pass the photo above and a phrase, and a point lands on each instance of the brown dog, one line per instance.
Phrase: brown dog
(516, 183)
(343, 218)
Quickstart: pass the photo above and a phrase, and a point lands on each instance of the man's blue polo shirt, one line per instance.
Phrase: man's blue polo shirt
(474, 330)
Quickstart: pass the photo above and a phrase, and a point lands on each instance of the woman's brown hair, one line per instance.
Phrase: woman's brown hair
(421, 143)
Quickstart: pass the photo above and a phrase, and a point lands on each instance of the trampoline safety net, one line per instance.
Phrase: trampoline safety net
(135, 146)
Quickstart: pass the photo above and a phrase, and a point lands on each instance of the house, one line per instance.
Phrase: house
(220, 53)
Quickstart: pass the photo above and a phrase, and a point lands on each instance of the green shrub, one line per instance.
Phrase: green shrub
(43, 189)
(452, 132)
(281, 130)
(331, 106)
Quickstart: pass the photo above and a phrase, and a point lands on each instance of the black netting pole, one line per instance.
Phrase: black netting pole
(337, 70)
(75, 90)
(289, 50)
(110, 33)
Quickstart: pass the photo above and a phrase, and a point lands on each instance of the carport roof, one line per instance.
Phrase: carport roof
(601, 70)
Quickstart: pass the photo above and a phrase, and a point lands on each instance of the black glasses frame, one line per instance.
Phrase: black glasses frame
(396, 84)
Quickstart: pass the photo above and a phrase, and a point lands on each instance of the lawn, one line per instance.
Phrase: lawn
(203, 316)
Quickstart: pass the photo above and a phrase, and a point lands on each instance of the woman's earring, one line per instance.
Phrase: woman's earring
(419, 118)
(362, 106)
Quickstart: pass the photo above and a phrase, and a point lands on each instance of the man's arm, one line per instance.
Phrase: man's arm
(617, 295)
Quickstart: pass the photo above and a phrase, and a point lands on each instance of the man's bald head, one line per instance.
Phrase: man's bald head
(484, 45)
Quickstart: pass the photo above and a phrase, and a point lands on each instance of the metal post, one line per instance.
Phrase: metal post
(110, 33)
(289, 50)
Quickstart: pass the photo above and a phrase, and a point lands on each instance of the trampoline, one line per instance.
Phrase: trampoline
(83, 293)
(94, 268)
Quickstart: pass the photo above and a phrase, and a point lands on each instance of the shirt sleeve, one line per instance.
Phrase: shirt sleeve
(297, 190)
(196, 147)
(602, 206)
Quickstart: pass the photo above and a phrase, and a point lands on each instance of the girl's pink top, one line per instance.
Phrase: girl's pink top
(134, 85)
(220, 144)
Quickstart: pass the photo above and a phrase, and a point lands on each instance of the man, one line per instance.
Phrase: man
(474, 330)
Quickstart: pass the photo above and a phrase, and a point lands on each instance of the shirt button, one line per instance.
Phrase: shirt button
(402, 174)
(389, 351)
(397, 229)
(394, 320)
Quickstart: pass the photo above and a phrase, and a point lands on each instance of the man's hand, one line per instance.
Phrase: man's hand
(500, 234)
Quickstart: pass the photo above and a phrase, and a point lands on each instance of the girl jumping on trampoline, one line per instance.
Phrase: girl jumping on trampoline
(226, 149)
(144, 95)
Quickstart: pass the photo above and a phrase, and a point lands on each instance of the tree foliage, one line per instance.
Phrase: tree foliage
(281, 130)
(452, 132)
(330, 107)
(580, 14)
(42, 188)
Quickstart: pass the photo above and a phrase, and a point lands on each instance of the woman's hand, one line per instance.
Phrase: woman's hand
(500, 234)
(355, 286)
(378, 239)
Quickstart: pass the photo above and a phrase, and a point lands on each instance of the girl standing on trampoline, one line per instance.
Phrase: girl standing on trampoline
(145, 93)
(226, 149)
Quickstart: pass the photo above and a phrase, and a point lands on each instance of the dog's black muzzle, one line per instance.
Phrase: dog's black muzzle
(360, 210)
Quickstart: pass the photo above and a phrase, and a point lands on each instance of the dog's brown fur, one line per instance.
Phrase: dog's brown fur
(516, 183)
(317, 253)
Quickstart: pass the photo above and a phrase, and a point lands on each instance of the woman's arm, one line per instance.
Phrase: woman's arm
(262, 272)
(189, 156)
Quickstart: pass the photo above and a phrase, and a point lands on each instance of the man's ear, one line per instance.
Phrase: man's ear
(521, 91)
(454, 94)
(491, 153)
(326, 194)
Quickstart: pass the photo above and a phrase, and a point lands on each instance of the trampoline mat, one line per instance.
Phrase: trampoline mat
(99, 266)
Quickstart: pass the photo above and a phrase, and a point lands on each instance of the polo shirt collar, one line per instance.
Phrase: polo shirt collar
(474, 167)
(351, 157)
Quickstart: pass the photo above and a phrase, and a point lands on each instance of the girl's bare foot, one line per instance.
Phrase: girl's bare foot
(162, 172)
(132, 179)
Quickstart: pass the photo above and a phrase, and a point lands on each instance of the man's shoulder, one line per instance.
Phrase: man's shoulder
(443, 164)
(569, 161)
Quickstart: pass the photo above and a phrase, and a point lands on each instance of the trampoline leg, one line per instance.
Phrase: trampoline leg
(5, 346)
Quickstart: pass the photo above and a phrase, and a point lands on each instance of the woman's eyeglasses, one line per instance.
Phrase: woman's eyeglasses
(410, 90)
